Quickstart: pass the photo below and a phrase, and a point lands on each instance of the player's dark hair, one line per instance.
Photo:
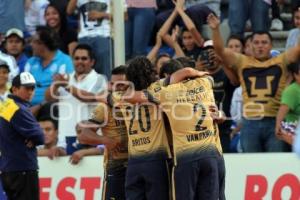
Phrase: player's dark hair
(186, 61)
(140, 72)
(120, 70)
(169, 68)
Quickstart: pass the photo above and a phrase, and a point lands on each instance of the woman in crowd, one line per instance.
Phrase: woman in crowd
(56, 20)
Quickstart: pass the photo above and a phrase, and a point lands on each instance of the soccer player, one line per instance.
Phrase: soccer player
(184, 191)
(112, 127)
(196, 150)
(147, 173)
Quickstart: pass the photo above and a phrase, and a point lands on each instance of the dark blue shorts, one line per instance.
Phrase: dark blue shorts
(221, 173)
(148, 181)
(197, 180)
(114, 185)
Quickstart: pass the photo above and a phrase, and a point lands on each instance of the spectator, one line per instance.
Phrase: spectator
(236, 112)
(50, 148)
(190, 37)
(240, 11)
(294, 34)
(73, 108)
(4, 88)
(190, 48)
(262, 79)
(12, 14)
(47, 61)
(19, 135)
(248, 49)
(138, 26)
(196, 12)
(11, 62)
(34, 15)
(235, 43)
(57, 20)
(95, 30)
(170, 40)
(14, 45)
(83, 150)
(289, 110)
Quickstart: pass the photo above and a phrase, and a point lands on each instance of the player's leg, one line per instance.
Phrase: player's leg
(115, 183)
(185, 181)
(221, 174)
(134, 183)
(208, 179)
(157, 178)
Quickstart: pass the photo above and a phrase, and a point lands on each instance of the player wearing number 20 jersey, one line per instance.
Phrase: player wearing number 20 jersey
(195, 143)
(148, 148)
(147, 139)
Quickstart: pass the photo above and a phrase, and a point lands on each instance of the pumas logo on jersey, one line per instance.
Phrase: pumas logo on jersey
(262, 83)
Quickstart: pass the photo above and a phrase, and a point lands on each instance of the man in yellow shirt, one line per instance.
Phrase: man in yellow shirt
(262, 79)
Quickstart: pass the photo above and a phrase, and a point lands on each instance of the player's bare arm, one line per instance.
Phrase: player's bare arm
(185, 73)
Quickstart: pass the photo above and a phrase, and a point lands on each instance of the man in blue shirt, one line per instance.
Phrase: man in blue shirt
(14, 45)
(20, 133)
(47, 61)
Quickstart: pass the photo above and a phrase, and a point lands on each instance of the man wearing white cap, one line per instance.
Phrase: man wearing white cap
(20, 133)
(14, 45)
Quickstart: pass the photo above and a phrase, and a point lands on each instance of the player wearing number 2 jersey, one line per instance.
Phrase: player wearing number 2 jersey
(195, 143)
(148, 148)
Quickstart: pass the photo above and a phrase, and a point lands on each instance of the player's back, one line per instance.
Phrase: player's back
(147, 139)
(187, 107)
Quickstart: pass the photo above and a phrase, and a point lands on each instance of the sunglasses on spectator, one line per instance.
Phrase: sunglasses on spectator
(83, 58)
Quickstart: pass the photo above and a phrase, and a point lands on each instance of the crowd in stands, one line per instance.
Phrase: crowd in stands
(68, 45)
